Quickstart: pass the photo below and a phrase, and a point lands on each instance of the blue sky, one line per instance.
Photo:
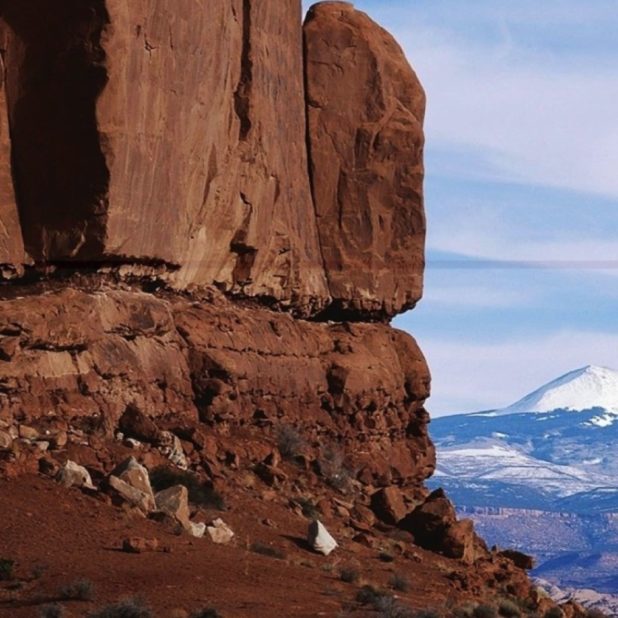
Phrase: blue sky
(522, 167)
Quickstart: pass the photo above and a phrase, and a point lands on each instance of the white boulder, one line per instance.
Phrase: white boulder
(220, 532)
(320, 539)
(74, 475)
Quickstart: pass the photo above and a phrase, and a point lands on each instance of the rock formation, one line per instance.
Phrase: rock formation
(169, 136)
(365, 111)
(103, 354)
(206, 233)
(177, 139)
(12, 255)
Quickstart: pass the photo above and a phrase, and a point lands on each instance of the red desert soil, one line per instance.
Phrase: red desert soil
(56, 536)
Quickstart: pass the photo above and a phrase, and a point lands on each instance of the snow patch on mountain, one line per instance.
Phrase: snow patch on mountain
(534, 451)
(491, 460)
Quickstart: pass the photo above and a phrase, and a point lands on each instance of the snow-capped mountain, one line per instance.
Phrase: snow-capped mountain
(541, 475)
(548, 447)
(582, 389)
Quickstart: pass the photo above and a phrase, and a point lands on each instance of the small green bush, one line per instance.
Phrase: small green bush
(207, 612)
(399, 582)
(385, 604)
(485, 611)
(127, 608)
(465, 611)
(267, 550)
(332, 466)
(52, 611)
(388, 607)
(6, 569)
(368, 595)
(349, 575)
(79, 590)
(427, 613)
(290, 441)
(509, 609)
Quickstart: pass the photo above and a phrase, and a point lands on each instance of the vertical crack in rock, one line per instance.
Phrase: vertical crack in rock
(55, 73)
(246, 254)
(242, 96)
(316, 215)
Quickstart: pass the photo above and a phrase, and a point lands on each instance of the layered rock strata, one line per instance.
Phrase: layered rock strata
(357, 387)
(167, 135)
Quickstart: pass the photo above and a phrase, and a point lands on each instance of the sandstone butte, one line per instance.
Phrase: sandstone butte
(208, 215)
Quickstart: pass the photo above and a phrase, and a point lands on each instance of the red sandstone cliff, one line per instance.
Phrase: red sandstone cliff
(204, 212)
(177, 138)
(139, 139)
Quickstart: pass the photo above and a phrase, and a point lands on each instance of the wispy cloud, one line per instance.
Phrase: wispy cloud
(474, 297)
(531, 112)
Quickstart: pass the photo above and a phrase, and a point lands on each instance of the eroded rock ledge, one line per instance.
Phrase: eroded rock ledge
(77, 354)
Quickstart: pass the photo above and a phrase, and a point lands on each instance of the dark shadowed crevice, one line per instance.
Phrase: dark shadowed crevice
(242, 96)
(55, 73)
(342, 310)
(246, 254)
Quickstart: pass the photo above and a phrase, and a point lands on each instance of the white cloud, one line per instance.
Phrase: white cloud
(469, 377)
(496, 244)
(473, 296)
(534, 116)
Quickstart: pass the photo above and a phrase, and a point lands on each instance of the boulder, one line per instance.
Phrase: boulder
(8, 345)
(74, 475)
(174, 502)
(196, 530)
(319, 539)
(5, 441)
(519, 559)
(59, 439)
(132, 495)
(28, 433)
(131, 442)
(389, 505)
(139, 545)
(135, 424)
(136, 475)
(220, 532)
(461, 541)
(435, 527)
(365, 110)
(171, 447)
